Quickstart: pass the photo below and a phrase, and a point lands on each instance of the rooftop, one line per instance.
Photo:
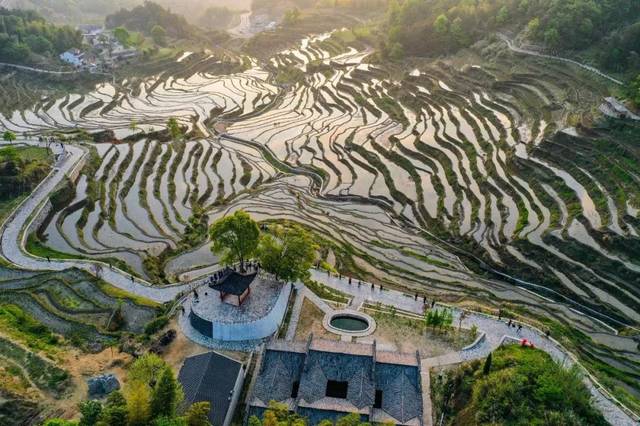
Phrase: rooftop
(234, 283)
(264, 293)
(210, 377)
(322, 377)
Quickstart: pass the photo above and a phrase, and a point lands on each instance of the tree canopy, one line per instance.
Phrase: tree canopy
(278, 414)
(235, 237)
(634, 91)
(287, 252)
(444, 26)
(21, 169)
(517, 386)
(149, 16)
(151, 396)
(25, 35)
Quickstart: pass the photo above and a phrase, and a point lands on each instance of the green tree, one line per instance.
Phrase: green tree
(287, 252)
(174, 128)
(503, 15)
(525, 386)
(159, 35)
(277, 414)
(133, 125)
(166, 395)
(254, 421)
(122, 35)
(534, 26)
(235, 237)
(170, 421)
(441, 24)
(351, 419)
(38, 44)
(198, 414)
(552, 37)
(114, 412)
(89, 412)
(147, 370)
(9, 136)
(138, 404)
(458, 32)
(634, 91)
(396, 51)
(59, 422)
(291, 16)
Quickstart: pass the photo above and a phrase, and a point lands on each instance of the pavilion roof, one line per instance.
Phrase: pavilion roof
(234, 283)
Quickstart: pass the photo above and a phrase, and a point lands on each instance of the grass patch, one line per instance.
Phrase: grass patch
(22, 327)
(118, 293)
(515, 386)
(44, 374)
(324, 292)
(36, 247)
(7, 206)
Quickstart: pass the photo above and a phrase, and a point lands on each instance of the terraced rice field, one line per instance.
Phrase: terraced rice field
(71, 303)
(405, 172)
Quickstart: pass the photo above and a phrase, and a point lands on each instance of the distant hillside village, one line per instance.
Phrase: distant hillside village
(101, 50)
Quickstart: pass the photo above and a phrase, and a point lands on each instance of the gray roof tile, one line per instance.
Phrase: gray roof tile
(210, 377)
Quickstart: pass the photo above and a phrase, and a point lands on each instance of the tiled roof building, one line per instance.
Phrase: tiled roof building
(214, 378)
(324, 379)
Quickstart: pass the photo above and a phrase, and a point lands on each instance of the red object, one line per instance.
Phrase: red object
(526, 343)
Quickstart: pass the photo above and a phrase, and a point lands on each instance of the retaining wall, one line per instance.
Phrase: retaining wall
(241, 331)
(40, 218)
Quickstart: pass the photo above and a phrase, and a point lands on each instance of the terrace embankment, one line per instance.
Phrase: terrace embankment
(437, 180)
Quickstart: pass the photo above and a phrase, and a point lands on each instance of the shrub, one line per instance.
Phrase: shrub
(156, 325)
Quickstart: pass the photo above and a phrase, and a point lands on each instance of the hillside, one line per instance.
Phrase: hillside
(515, 386)
(72, 11)
(149, 15)
(605, 33)
(21, 169)
(93, 11)
(26, 37)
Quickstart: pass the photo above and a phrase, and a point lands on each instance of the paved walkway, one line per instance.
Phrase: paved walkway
(12, 240)
(495, 331)
(364, 292)
(38, 70)
(12, 244)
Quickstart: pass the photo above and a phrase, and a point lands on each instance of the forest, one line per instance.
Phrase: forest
(25, 35)
(149, 15)
(609, 30)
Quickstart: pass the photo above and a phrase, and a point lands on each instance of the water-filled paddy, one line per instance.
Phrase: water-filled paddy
(460, 153)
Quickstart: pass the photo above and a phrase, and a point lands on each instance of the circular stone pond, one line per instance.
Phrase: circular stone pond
(349, 323)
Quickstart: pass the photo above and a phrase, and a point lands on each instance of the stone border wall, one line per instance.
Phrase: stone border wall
(251, 330)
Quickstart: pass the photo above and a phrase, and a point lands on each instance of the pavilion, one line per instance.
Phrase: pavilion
(234, 287)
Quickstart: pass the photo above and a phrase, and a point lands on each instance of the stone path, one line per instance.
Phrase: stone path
(425, 381)
(364, 292)
(495, 332)
(302, 293)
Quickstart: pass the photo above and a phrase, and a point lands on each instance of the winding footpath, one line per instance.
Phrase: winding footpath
(12, 238)
(589, 68)
(38, 70)
(495, 332)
